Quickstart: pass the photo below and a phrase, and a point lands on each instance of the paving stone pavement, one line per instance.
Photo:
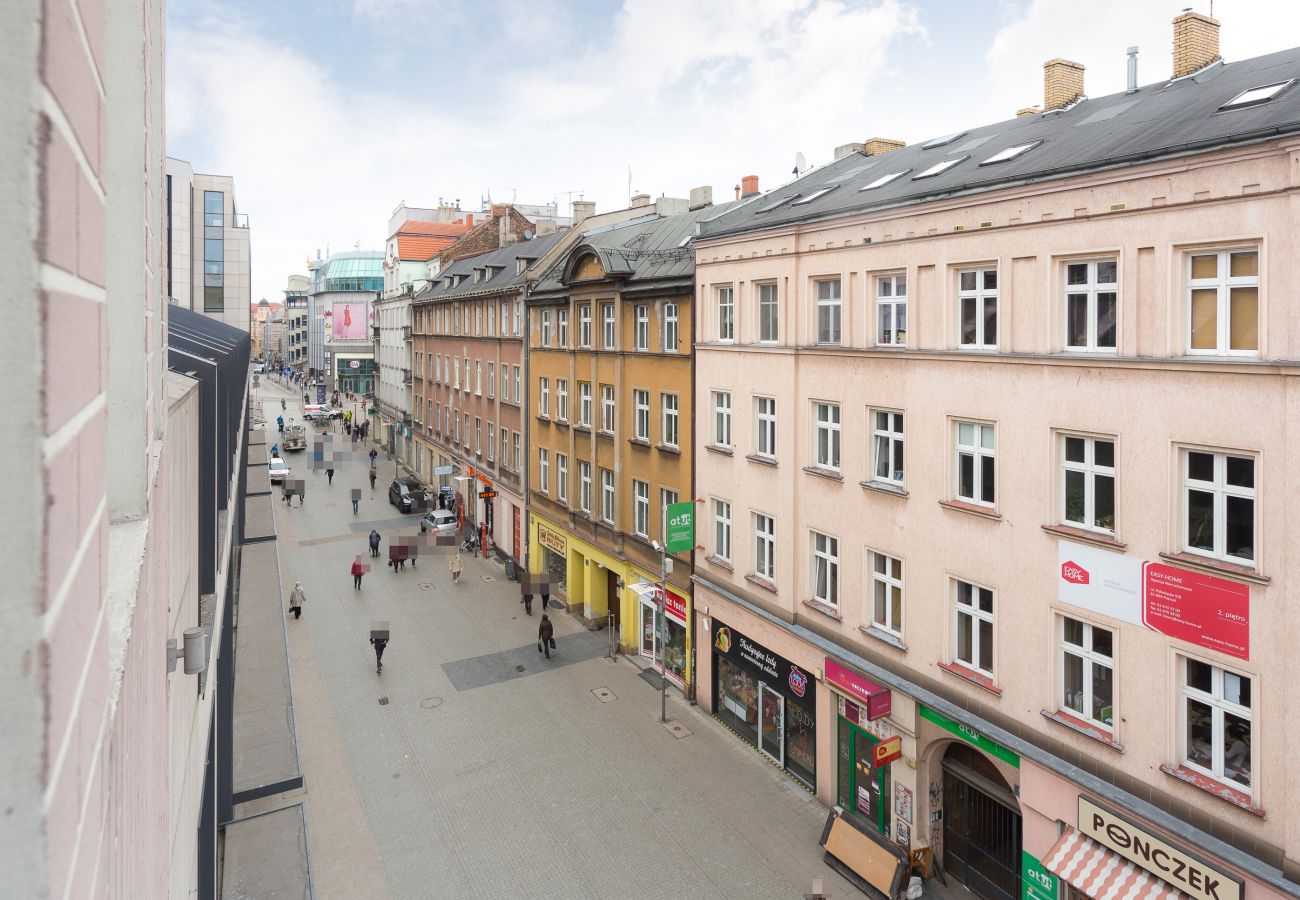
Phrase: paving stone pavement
(453, 774)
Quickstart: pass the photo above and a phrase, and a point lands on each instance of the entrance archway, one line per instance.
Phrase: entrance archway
(981, 825)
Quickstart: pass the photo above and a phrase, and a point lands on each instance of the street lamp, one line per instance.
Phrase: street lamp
(660, 627)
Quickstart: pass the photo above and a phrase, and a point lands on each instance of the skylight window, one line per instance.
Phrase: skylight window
(1010, 153)
(782, 202)
(939, 168)
(1255, 95)
(820, 192)
(884, 180)
(942, 141)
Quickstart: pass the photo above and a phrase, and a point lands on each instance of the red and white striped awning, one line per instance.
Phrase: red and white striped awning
(1103, 874)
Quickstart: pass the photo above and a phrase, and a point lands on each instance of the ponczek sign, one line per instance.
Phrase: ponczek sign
(1166, 862)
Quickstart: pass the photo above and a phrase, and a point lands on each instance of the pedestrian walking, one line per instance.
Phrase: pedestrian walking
(374, 542)
(380, 644)
(330, 473)
(356, 500)
(296, 600)
(455, 566)
(546, 593)
(545, 636)
(374, 454)
(396, 556)
(528, 603)
(374, 473)
(279, 420)
(358, 569)
(288, 495)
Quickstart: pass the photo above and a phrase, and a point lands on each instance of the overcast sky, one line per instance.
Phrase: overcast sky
(329, 114)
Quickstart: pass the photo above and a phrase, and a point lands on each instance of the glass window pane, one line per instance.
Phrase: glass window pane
(1200, 520)
(1241, 471)
(881, 602)
(1075, 449)
(1205, 266)
(968, 281)
(1106, 271)
(964, 638)
(986, 646)
(1236, 752)
(1074, 498)
(986, 437)
(1072, 683)
(1200, 676)
(1103, 502)
(990, 279)
(1200, 466)
(1240, 527)
(1243, 318)
(895, 607)
(1200, 734)
(964, 593)
(1076, 320)
(966, 479)
(896, 569)
(882, 457)
(1073, 632)
(986, 599)
(1236, 689)
(1103, 642)
(966, 433)
(968, 314)
(1076, 273)
(1103, 453)
(990, 320)
(885, 287)
(1101, 694)
(1243, 265)
(1205, 319)
(1106, 320)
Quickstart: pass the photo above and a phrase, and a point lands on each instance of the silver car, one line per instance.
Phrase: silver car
(279, 469)
(439, 521)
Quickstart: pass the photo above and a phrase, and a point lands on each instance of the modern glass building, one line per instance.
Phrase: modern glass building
(340, 304)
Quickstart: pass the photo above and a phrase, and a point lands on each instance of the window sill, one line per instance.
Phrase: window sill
(879, 634)
(820, 472)
(979, 679)
(761, 460)
(984, 512)
(583, 428)
(563, 423)
(719, 562)
(1081, 727)
(1096, 538)
(639, 442)
(761, 582)
(1239, 799)
(825, 609)
(542, 418)
(718, 448)
(1217, 567)
(674, 449)
(607, 435)
(884, 487)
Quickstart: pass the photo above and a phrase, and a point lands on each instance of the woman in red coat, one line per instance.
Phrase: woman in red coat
(358, 569)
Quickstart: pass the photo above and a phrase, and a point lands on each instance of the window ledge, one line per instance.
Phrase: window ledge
(542, 418)
(719, 562)
(761, 460)
(984, 512)
(883, 636)
(979, 679)
(1083, 728)
(761, 582)
(1239, 799)
(884, 487)
(718, 448)
(639, 442)
(825, 609)
(583, 428)
(674, 449)
(1096, 538)
(564, 423)
(607, 435)
(1217, 567)
(821, 472)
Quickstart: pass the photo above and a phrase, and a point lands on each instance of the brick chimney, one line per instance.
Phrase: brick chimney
(469, 220)
(749, 186)
(1196, 43)
(1027, 111)
(878, 145)
(1062, 83)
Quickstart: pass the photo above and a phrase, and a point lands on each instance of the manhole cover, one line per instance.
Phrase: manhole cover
(431, 702)
(383, 701)
(604, 694)
(678, 729)
(519, 668)
(425, 585)
(488, 578)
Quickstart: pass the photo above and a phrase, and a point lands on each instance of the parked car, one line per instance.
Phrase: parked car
(279, 470)
(438, 521)
(404, 493)
(313, 411)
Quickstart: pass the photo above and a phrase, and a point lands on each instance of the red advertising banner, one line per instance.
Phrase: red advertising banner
(878, 700)
(887, 751)
(1200, 609)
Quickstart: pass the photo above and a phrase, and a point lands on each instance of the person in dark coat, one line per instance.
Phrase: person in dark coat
(380, 644)
(374, 542)
(545, 635)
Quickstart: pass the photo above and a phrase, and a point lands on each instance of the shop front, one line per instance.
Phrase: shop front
(767, 700)
(867, 743)
(354, 374)
(662, 639)
(551, 552)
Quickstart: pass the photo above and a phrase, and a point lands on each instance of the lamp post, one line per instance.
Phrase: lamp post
(659, 628)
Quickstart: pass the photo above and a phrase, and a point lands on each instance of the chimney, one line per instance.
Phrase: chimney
(737, 197)
(469, 219)
(749, 186)
(1027, 111)
(1132, 69)
(701, 197)
(1196, 43)
(1062, 83)
(545, 227)
(583, 209)
(639, 200)
(844, 150)
(499, 209)
(878, 145)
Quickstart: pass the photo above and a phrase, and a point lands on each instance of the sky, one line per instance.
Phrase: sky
(330, 114)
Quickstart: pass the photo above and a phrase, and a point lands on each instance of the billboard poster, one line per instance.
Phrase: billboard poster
(348, 322)
(1189, 606)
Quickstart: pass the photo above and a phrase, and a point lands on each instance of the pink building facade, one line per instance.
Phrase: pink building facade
(997, 483)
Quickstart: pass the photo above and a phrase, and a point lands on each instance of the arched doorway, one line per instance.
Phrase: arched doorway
(981, 825)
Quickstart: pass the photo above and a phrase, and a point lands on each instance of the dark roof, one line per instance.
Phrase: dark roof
(499, 264)
(1166, 119)
(650, 251)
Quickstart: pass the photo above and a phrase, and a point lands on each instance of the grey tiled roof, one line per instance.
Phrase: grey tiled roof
(648, 250)
(1165, 119)
(501, 263)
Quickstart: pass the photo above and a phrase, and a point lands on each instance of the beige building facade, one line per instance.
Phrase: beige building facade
(1003, 467)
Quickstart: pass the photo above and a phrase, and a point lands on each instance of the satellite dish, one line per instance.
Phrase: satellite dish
(800, 164)
(528, 234)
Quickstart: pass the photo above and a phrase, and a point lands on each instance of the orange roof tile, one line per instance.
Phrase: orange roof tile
(425, 240)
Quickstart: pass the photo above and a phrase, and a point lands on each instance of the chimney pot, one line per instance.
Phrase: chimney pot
(1132, 69)
(1196, 43)
(1062, 83)
(878, 145)
(749, 185)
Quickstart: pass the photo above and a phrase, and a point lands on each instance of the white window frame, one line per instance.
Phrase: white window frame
(826, 435)
(562, 478)
(543, 470)
(640, 508)
(1219, 705)
(584, 325)
(670, 327)
(491, 380)
(561, 399)
(1089, 657)
(478, 436)
(1223, 284)
(830, 304)
(505, 384)
(977, 452)
(977, 615)
(641, 402)
(768, 305)
(544, 397)
(1221, 491)
(670, 420)
(888, 445)
(891, 306)
(478, 378)
(518, 316)
(584, 403)
(517, 372)
(666, 499)
(607, 408)
(505, 448)
(562, 327)
(607, 498)
(722, 418)
(979, 295)
(726, 314)
(642, 332)
(518, 450)
(1090, 290)
(1090, 470)
(491, 442)
(545, 328)
(608, 325)
(825, 557)
(584, 486)
(887, 583)
(764, 546)
(765, 427)
(722, 529)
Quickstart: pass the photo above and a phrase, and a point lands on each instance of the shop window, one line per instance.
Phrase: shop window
(1223, 302)
(1219, 506)
(974, 626)
(1087, 671)
(1217, 731)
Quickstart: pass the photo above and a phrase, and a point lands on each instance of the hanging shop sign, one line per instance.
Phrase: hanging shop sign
(886, 751)
(971, 736)
(1188, 606)
(550, 540)
(680, 536)
(1037, 883)
(674, 604)
(878, 700)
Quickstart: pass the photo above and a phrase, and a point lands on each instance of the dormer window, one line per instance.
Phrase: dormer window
(1257, 95)
(1010, 153)
(520, 265)
(939, 168)
(884, 180)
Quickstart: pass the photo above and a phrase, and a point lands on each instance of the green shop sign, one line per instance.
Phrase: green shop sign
(971, 736)
(681, 527)
(1036, 883)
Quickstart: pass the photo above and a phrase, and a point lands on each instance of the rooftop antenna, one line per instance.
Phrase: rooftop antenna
(800, 164)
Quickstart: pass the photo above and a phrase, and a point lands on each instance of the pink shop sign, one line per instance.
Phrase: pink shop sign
(877, 700)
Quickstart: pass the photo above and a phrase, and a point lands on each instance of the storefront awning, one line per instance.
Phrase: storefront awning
(1103, 874)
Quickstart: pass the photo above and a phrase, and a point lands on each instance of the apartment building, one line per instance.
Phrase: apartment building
(997, 457)
(468, 386)
(208, 249)
(610, 436)
(295, 321)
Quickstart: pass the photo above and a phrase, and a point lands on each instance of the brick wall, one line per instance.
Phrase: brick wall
(486, 235)
(1062, 83)
(1196, 43)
